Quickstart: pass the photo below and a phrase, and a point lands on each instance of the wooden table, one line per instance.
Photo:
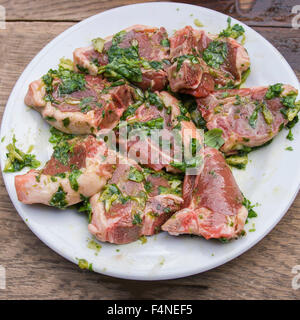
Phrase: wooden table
(35, 271)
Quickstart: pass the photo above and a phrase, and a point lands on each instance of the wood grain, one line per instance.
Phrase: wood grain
(35, 271)
(254, 13)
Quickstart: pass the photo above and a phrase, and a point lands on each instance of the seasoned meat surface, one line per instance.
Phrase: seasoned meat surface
(202, 62)
(246, 116)
(81, 170)
(151, 46)
(212, 204)
(132, 205)
(91, 106)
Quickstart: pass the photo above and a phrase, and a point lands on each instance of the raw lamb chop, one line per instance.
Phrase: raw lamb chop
(135, 202)
(249, 117)
(202, 62)
(213, 204)
(162, 115)
(77, 103)
(78, 168)
(139, 53)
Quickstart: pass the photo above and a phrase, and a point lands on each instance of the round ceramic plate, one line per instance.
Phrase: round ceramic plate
(271, 179)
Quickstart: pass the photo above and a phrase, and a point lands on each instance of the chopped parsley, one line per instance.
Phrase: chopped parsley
(290, 135)
(130, 111)
(193, 59)
(98, 44)
(197, 23)
(213, 138)
(59, 136)
(249, 207)
(62, 151)
(137, 220)
(85, 206)
(51, 119)
(61, 145)
(237, 161)
(193, 162)
(154, 100)
(58, 199)
(83, 264)
(82, 69)
(135, 175)
(234, 31)
(17, 159)
(111, 194)
(123, 62)
(66, 122)
(215, 54)
(156, 65)
(253, 118)
(274, 91)
(267, 114)
(73, 176)
(165, 42)
(147, 126)
(85, 104)
(289, 100)
(70, 82)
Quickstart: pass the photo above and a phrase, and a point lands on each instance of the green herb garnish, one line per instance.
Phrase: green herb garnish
(253, 118)
(58, 200)
(17, 159)
(274, 91)
(137, 220)
(98, 44)
(213, 138)
(249, 207)
(85, 206)
(215, 54)
(135, 175)
(73, 176)
(234, 31)
(66, 122)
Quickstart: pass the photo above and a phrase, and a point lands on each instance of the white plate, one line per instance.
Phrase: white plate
(271, 178)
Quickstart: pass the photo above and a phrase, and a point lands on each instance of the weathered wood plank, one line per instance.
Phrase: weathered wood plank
(254, 13)
(35, 271)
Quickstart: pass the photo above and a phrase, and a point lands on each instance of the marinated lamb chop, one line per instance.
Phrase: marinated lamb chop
(202, 62)
(157, 133)
(139, 54)
(135, 202)
(213, 205)
(249, 117)
(77, 103)
(78, 168)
